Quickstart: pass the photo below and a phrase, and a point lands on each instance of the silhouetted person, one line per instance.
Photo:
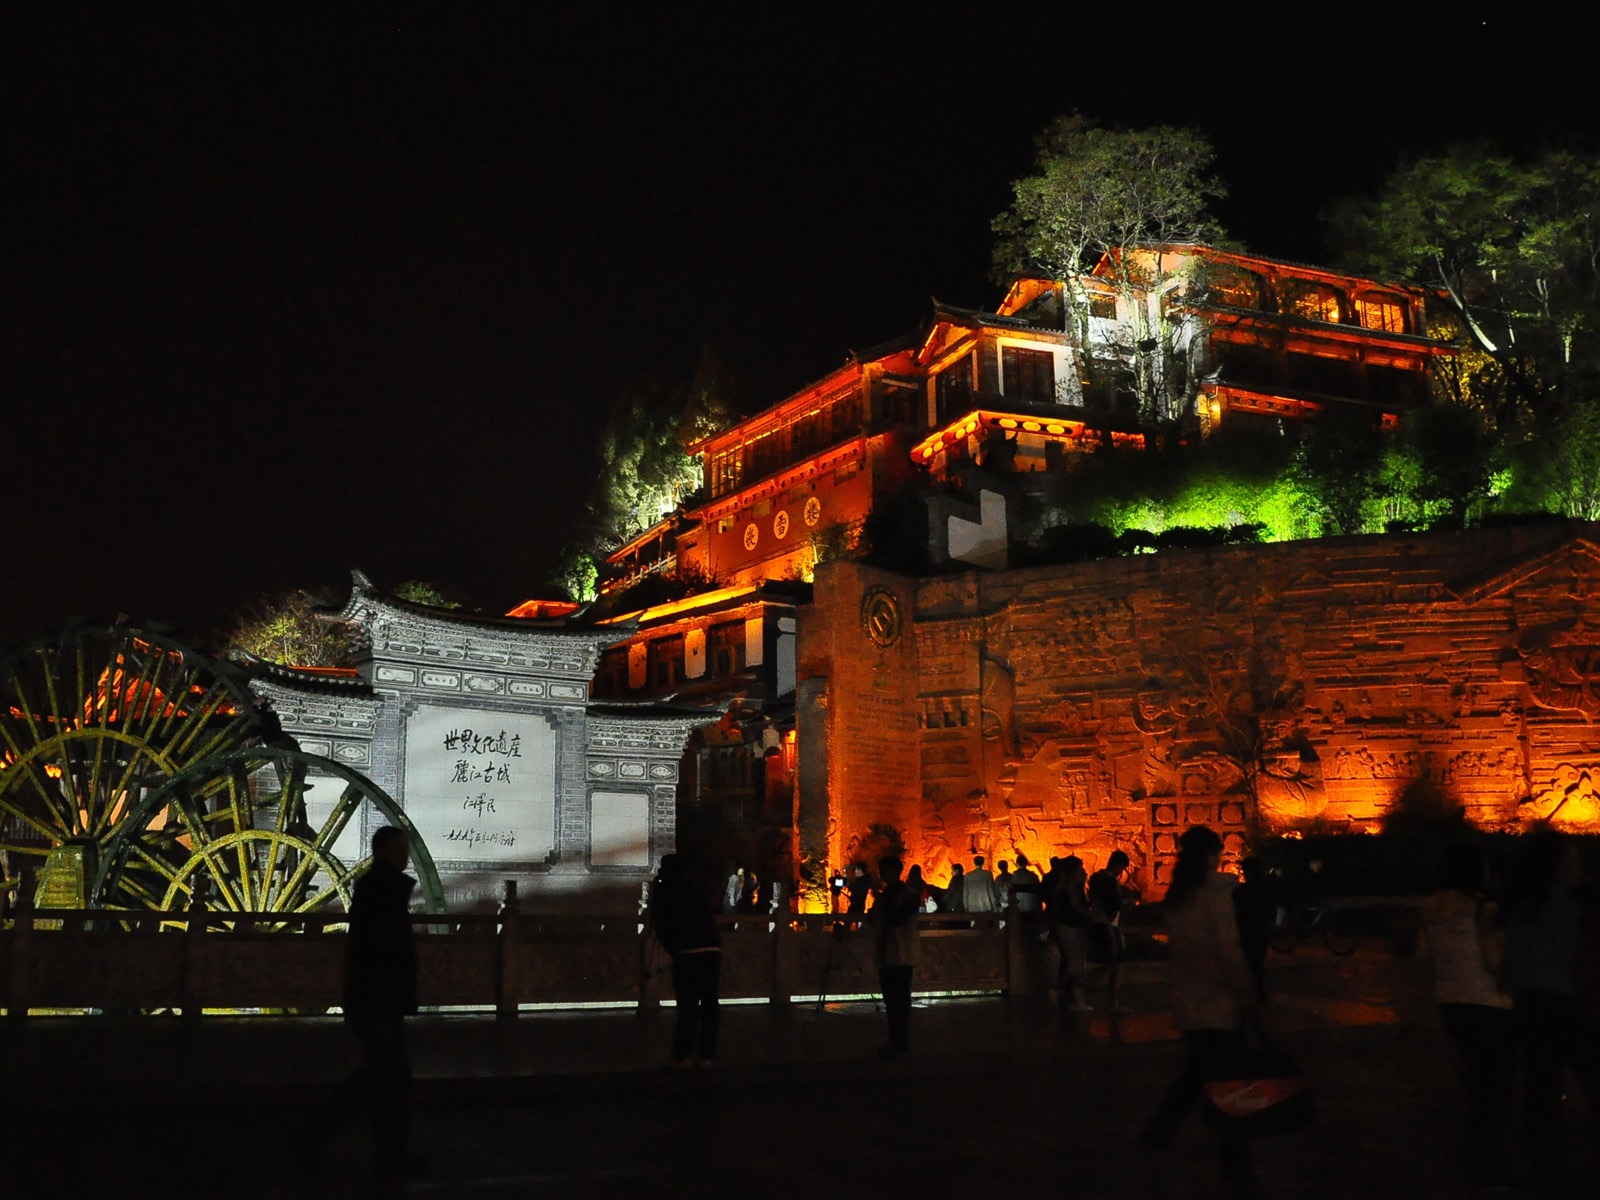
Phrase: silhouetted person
(1002, 885)
(1254, 905)
(1212, 993)
(732, 888)
(1105, 906)
(1466, 941)
(1025, 886)
(380, 991)
(681, 916)
(1070, 919)
(920, 886)
(857, 889)
(894, 921)
(1543, 916)
(955, 892)
(750, 898)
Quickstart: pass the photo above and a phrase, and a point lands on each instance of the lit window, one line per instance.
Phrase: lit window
(1028, 375)
(1104, 307)
(1313, 302)
(953, 388)
(1235, 288)
(1382, 312)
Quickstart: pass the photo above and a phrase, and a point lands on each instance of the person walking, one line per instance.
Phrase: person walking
(1070, 919)
(1105, 906)
(380, 992)
(681, 917)
(1254, 906)
(1544, 914)
(1025, 886)
(1213, 995)
(978, 888)
(897, 947)
(1466, 941)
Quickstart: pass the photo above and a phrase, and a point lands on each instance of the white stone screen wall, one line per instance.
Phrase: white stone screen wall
(481, 786)
(619, 829)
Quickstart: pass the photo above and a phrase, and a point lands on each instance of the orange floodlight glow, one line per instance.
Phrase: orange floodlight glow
(965, 427)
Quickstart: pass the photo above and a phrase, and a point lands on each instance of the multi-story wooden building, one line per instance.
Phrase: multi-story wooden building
(1230, 338)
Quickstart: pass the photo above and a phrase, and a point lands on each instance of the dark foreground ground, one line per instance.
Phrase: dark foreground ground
(1000, 1099)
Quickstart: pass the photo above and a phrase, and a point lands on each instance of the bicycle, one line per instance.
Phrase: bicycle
(1294, 924)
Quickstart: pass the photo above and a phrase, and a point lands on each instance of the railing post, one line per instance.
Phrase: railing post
(649, 1000)
(194, 934)
(1013, 950)
(21, 950)
(508, 990)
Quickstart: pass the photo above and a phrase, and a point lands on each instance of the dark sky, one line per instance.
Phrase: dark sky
(283, 293)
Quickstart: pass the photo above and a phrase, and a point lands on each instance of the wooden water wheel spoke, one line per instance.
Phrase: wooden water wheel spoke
(94, 720)
(244, 814)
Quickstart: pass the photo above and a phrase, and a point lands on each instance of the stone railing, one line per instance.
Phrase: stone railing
(204, 959)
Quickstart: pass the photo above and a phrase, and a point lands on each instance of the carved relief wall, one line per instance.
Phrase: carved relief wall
(1104, 705)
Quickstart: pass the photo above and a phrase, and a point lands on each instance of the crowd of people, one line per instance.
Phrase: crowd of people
(1515, 963)
(1515, 959)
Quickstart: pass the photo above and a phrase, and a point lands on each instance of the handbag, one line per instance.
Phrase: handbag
(1261, 1093)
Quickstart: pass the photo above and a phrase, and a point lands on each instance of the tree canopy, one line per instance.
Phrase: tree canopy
(1096, 194)
(292, 629)
(644, 470)
(1098, 191)
(1513, 246)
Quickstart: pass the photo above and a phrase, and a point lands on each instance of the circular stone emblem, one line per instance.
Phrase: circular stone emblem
(813, 510)
(780, 525)
(880, 615)
(752, 535)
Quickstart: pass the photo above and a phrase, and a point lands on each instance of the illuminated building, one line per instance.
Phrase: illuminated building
(1086, 707)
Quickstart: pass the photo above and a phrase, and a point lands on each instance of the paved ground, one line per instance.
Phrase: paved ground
(999, 1098)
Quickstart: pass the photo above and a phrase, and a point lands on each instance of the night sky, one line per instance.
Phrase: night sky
(284, 293)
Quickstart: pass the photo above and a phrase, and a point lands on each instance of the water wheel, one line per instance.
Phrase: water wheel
(262, 829)
(94, 720)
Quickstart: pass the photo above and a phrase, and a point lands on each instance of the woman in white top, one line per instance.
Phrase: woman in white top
(1467, 945)
(1213, 993)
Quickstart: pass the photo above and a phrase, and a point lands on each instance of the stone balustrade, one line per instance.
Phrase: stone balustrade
(208, 960)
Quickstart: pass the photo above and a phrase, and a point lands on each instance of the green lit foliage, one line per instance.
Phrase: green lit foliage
(415, 591)
(292, 630)
(1457, 457)
(1515, 248)
(644, 471)
(1231, 480)
(1338, 460)
(1556, 469)
(1096, 194)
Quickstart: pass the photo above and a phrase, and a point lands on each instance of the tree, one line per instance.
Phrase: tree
(1098, 195)
(416, 591)
(644, 470)
(294, 630)
(1515, 249)
(1340, 456)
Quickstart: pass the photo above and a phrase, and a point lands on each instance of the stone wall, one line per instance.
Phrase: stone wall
(1311, 685)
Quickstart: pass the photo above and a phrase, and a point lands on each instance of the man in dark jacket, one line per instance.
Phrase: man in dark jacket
(897, 948)
(380, 991)
(680, 916)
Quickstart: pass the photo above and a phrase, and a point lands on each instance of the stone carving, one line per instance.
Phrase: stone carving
(999, 689)
(1571, 802)
(1562, 665)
